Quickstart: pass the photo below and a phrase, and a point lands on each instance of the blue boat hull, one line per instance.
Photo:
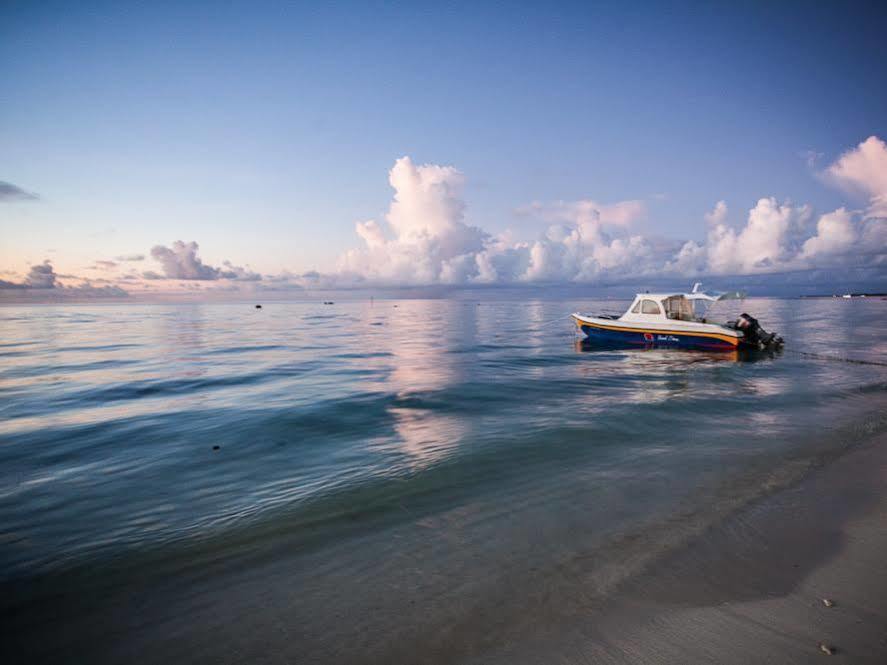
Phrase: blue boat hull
(609, 336)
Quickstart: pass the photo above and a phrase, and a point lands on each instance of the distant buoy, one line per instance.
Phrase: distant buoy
(216, 447)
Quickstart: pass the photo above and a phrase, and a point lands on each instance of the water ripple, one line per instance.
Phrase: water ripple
(129, 428)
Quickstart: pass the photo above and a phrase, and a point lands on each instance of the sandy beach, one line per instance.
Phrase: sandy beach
(752, 590)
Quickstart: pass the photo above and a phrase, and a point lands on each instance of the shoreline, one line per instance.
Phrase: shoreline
(752, 588)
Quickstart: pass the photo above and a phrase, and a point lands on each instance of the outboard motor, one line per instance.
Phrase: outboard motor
(755, 335)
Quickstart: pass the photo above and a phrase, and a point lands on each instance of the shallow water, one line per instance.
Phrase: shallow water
(474, 442)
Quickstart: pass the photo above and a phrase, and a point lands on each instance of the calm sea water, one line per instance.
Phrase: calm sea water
(482, 439)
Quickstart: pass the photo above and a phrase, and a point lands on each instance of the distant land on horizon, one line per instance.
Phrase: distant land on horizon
(776, 285)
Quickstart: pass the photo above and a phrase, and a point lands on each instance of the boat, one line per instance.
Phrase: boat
(670, 320)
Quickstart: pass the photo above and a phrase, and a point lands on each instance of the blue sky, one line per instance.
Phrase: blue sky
(264, 131)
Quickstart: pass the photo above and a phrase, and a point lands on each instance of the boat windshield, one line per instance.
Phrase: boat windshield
(678, 307)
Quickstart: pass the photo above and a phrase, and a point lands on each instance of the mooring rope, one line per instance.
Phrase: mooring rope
(553, 321)
(842, 359)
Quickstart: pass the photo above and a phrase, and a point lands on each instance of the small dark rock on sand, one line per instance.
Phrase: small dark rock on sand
(258, 307)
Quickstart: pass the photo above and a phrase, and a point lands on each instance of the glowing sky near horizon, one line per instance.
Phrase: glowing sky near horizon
(579, 143)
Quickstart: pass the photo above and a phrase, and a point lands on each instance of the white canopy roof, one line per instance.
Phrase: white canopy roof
(696, 294)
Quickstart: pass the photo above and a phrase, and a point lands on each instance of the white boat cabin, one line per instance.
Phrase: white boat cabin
(662, 307)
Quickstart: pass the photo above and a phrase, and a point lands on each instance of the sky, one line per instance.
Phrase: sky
(265, 146)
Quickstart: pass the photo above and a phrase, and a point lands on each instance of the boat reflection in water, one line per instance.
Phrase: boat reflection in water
(677, 355)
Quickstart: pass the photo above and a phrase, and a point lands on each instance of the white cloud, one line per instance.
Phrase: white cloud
(619, 214)
(777, 237)
(371, 233)
(835, 234)
(42, 283)
(180, 261)
(762, 245)
(230, 271)
(40, 276)
(690, 260)
(582, 251)
(718, 215)
(864, 169)
(425, 238)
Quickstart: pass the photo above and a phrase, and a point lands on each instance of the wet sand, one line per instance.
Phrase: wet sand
(748, 590)
(751, 590)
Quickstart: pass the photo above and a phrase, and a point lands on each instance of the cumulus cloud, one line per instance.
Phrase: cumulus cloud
(237, 272)
(582, 250)
(763, 244)
(42, 283)
(863, 169)
(778, 237)
(718, 215)
(425, 239)
(10, 192)
(835, 234)
(180, 261)
(781, 236)
(40, 276)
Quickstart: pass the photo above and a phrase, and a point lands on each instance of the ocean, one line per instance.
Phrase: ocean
(450, 460)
